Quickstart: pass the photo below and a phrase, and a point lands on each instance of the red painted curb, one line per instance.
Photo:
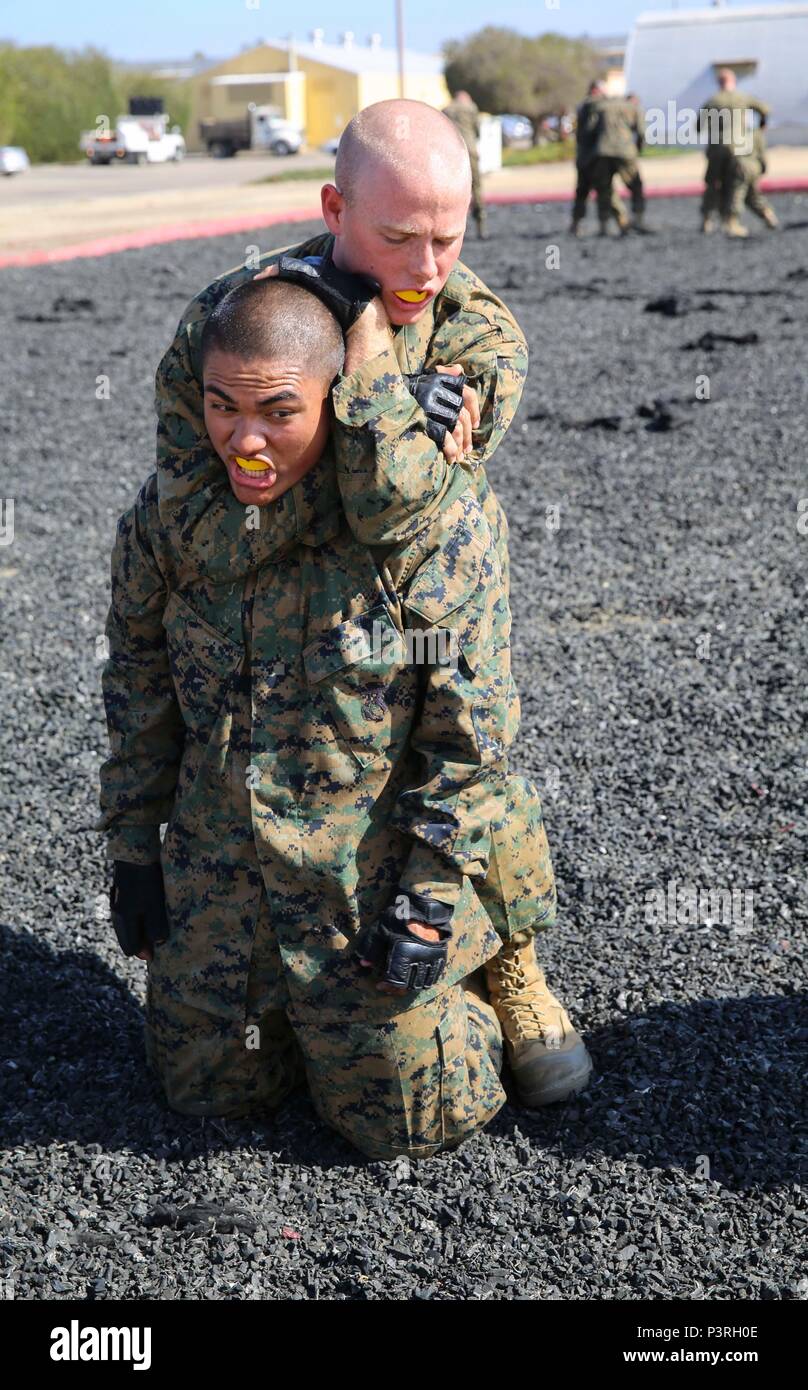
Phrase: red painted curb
(223, 226)
(155, 236)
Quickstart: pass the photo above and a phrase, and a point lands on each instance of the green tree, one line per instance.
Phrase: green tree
(9, 93)
(49, 96)
(506, 71)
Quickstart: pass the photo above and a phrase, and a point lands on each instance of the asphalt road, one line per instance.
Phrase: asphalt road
(53, 183)
(658, 552)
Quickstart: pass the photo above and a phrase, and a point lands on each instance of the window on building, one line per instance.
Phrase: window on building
(742, 67)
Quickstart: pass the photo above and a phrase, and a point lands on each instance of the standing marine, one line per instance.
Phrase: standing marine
(735, 157)
(616, 140)
(463, 113)
(586, 124)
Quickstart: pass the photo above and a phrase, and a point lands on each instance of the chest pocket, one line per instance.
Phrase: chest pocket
(203, 663)
(359, 669)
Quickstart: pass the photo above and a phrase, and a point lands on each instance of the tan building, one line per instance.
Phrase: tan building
(317, 85)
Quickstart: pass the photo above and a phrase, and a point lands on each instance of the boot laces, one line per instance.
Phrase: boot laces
(531, 1013)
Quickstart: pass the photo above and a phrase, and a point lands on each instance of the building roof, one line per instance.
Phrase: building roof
(717, 14)
(359, 57)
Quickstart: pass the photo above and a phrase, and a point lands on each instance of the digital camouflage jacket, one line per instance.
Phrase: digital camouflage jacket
(262, 700)
(467, 119)
(586, 125)
(618, 129)
(391, 475)
(728, 118)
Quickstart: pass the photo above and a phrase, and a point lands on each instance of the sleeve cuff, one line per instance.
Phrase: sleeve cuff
(428, 872)
(135, 844)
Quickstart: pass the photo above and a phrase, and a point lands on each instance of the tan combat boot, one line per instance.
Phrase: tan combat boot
(547, 1057)
(771, 219)
(708, 224)
(733, 227)
(623, 221)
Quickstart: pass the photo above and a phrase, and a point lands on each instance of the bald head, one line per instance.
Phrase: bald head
(726, 79)
(408, 140)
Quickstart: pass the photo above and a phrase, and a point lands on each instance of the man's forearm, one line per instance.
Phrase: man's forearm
(144, 721)
(468, 713)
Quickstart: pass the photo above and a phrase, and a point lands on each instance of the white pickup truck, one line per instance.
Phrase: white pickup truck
(134, 140)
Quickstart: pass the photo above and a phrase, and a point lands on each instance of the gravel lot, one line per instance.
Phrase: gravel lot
(660, 647)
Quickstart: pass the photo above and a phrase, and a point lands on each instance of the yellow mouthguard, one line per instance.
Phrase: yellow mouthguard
(410, 296)
(252, 465)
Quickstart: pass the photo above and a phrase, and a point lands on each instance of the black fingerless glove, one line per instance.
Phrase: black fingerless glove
(344, 293)
(138, 906)
(408, 961)
(440, 396)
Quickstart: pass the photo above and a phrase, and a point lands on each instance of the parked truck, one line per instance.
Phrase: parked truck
(260, 128)
(141, 137)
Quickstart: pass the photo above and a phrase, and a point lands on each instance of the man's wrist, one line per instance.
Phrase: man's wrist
(370, 335)
(411, 906)
(134, 844)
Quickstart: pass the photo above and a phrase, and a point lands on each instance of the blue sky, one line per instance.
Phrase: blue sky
(142, 29)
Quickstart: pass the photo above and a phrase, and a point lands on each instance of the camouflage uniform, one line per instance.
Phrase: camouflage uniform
(307, 768)
(586, 126)
(467, 119)
(616, 140)
(754, 167)
(393, 481)
(730, 165)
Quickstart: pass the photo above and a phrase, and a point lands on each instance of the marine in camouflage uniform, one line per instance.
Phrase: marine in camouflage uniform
(630, 170)
(586, 125)
(463, 113)
(261, 699)
(616, 141)
(735, 158)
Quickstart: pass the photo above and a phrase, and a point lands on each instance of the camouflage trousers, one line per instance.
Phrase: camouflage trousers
(519, 892)
(477, 200)
(754, 168)
(414, 1083)
(602, 173)
(725, 182)
(584, 186)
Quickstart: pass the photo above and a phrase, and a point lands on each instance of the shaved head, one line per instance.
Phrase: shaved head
(398, 205)
(409, 140)
(726, 79)
(273, 321)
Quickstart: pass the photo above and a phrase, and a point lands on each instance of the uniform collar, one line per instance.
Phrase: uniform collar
(216, 536)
